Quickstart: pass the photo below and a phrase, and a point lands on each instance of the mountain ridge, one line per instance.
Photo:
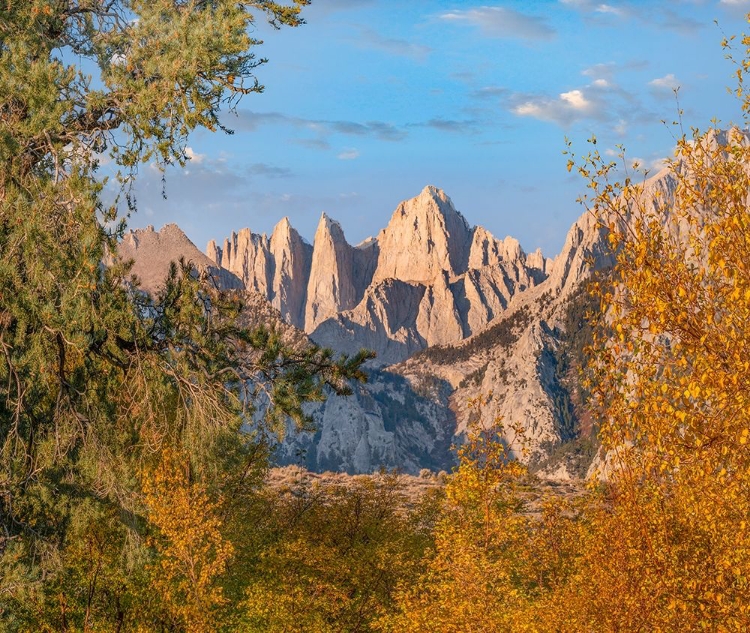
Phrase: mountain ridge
(452, 277)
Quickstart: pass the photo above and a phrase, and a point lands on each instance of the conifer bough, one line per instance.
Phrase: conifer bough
(106, 393)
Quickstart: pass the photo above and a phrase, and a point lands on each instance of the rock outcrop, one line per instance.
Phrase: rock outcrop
(331, 287)
(276, 267)
(152, 252)
(291, 257)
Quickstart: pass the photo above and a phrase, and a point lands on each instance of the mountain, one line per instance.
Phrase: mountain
(523, 367)
(385, 423)
(338, 273)
(454, 314)
(152, 252)
(428, 278)
(518, 361)
(277, 268)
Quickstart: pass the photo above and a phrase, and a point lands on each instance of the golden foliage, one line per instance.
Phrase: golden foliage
(470, 580)
(192, 553)
(673, 380)
(662, 542)
(332, 554)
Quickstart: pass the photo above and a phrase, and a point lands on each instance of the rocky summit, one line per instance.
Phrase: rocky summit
(153, 251)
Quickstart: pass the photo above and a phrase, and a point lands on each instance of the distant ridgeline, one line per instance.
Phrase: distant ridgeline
(451, 311)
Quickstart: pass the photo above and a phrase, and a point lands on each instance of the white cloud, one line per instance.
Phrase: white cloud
(668, 82)
(576, 99)
(601, 100)
(502, 22)
(194, 157)
(564, 110)
(607, 8)
(348, 154)
(590, 6)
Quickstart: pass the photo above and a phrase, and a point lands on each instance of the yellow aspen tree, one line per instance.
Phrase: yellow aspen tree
(191, 552)
(670, 545)
(473, 580)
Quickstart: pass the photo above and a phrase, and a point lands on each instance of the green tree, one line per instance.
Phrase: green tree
(330, 555)
(99, 383)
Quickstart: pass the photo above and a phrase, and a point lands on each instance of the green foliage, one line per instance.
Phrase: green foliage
(330, 555)
(99, 382)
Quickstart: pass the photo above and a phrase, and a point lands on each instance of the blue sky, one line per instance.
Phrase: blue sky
(372, 100)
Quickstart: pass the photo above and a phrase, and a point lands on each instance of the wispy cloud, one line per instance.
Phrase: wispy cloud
(668, 82)
(324, 130)
(269, 171)
(489, 92)
(394, 46)
(468, 126)
(312, 143)
(348, 154)
(608, 70)
(591, 6)
(662, 14)
(502, 22)
(247, 121)
(329, 6)
(678, 22)
(608, 8)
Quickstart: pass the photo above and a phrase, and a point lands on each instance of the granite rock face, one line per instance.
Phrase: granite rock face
(427, 278)
(276, 267)
(425, 238)
(331, 287)
(291, 257)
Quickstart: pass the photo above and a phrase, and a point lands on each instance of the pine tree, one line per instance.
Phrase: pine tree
(105, 392)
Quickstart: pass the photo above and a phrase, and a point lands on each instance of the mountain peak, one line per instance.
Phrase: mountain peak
(425, 236)
(331, 286)
(284, 231)
(328, 225)
(433, 192)
(152, 252)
